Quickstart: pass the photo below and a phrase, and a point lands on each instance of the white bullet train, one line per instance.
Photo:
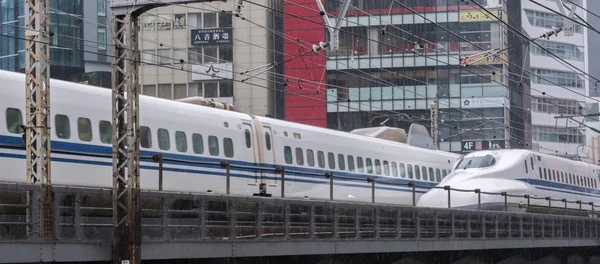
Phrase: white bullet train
(518, 172)
(188, 134)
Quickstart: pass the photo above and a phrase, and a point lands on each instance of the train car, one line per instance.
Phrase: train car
(518, 172)
(194, 139)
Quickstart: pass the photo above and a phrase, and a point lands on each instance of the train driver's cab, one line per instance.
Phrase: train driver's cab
(470, 162)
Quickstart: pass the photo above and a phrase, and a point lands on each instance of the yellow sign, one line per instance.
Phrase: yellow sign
(477, 16)
(484, 59)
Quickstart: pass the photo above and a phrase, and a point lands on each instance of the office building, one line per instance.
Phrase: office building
(202, 49)
(394, 77)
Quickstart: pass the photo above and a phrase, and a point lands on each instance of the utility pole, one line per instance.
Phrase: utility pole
(434, 124)
(125, 141)
(37, 105)
(127, 226)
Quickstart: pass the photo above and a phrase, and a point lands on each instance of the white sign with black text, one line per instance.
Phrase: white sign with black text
(212, 71)
(488, 102)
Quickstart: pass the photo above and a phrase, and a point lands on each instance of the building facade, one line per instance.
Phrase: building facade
(557, 88)
(204, 50)
(76, 25)
(396, 59)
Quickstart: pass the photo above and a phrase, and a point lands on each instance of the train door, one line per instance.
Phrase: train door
(269, 153)
(251, 149)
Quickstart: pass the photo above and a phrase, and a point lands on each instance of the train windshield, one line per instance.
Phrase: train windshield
(476, 162)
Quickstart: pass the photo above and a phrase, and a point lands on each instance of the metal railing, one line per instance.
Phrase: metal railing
(413, 185)
(85, 214)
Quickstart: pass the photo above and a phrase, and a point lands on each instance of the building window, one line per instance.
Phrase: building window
(210, 20)
(164, 57)
(554, 106)
(225, 19)
(553, 77)
(558, 134)
(211, 89)
(548, 20)
(164, 91)
(101, 38)
(179, 21)
(101, 7)
(562, 50)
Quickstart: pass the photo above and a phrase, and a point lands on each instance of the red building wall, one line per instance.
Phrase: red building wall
(303, 104)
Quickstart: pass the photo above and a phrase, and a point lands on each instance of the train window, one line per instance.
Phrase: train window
(562, 177)
(410, 171)
(197, 143)
(288, 155)
(438, 176)
(424, 171)
(341, 162)
(386, 168)
(369, 166)
(145, 137)
(350, 163)
(588, 182)
(105, 132)
(431, 174)
(545, 175)
(531, 159)
(540, 169)
(331, 160)
(417, 173)
(213, 146)
(84, 129)
(321, 159)
(553, 175)
(248, 138)
(299, 157)
(297, 136)
(577, 178)
(228, 147)
(377, 166)
(402, 171)
(444, 173)
(310, 157)
(359, 161)
(570, 178)
(63, 129)
(268, 143)
(526, 167)
(394, 169)
(14, 120)
(180, 141)
(163, 139)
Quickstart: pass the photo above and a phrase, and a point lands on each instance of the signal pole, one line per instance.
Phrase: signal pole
(37, 104)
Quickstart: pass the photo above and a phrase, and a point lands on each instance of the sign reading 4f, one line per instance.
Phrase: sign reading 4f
(213, 36)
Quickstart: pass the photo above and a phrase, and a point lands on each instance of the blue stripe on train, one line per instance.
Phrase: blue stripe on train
(295, 171)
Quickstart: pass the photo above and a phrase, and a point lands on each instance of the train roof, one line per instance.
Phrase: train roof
(59, 86)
